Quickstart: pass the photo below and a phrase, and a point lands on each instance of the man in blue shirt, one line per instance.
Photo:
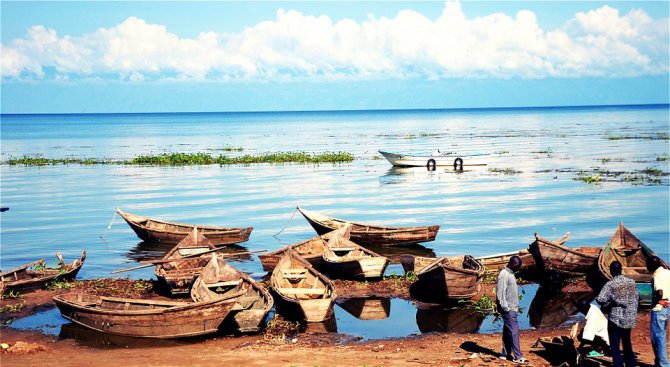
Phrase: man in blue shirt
(507, 303)
(620, 296)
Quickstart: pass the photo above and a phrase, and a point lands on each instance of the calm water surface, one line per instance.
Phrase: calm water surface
(481, 211)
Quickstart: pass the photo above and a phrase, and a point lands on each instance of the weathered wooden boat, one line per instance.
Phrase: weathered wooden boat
(632, 253)
(144, 318)
(414, 264)
(370, 308)
(457, 277)
(32, 275)
(156, 230)
(301, 289)
(219, 279)
(441, 159)
(370, 234)
(499, 261)
(311, 249)
(182, 265)
(554, 257)
(343, 258)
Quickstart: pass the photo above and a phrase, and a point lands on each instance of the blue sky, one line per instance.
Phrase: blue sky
(155, 56)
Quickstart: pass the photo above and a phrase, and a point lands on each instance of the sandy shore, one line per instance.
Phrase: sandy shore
(307, 349)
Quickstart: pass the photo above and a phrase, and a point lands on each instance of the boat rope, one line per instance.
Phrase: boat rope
(289, 222)
(104, 233)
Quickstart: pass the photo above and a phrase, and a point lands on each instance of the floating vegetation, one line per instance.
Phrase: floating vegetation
(587, 178)
(505, 171)
(662, 158)
(651, 136)
(652, 171)
(424, 135)
(182, 159)
(502, 152)
(547, 151)
(376, 157)
(232, 149)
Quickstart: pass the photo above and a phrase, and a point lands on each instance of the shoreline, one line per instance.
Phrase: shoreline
(314, 347)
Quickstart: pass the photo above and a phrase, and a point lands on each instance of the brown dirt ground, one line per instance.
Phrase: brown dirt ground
(309, 349)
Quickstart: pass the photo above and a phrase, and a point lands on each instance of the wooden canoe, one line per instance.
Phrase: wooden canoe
(178, 273)
(369, 234)
(458, 277)
(554, 257)
(499, 261)
(343, 258)
(301, 289)
(155, 230)
(144, 318)
(632, 253)
(414, 264)
(219, 279)
(33, 275)
(311, 249)
(371, 308)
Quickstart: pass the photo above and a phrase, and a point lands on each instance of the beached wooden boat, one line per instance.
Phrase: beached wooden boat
(632, 253)
(156, 230)
(370, 308)
(311, 249)
(457, 277)
(219, 279)
(178, 273)
(301, 289)
(553, 257)
(370, 234)
(33, 275)
(442, 159)
(343, 258)
(414, 264)
(499, 261)
(144, 318)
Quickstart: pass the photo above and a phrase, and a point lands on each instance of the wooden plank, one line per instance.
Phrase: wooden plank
(301, 291)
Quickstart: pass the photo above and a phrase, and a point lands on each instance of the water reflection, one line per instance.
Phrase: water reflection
(400, 175)
(448, 319)
(553, 306)
(327, 326)
(144, 251)
(91, 338)
(373, 308)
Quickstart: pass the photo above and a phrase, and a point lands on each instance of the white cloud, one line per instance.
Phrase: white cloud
(600, 42)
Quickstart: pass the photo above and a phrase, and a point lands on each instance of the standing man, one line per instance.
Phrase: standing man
(507, 302)
(620, 296)
(659, 313)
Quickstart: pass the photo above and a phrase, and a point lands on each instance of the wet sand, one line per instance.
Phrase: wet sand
(306, 349)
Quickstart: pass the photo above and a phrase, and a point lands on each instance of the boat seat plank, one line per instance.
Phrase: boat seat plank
(301, 291)
(228, 283)
(295, 276)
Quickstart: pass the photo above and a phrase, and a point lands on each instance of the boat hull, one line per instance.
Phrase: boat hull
(409, 160)
(552, 257)
(177, 321)
(152, 230)
(456, 277)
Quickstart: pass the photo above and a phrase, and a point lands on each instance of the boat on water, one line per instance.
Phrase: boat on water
(220, 280)
(181, 266)
(458, 161)
(552, 257)
(155, 230)
(457, 277)
(33, 275)
(343, 258)
(370, 234)
(499, 261)
(310, 250)
(301, 289)
(632, 253)
(144, 318)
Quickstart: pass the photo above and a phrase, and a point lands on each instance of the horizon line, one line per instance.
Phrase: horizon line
(380, 110)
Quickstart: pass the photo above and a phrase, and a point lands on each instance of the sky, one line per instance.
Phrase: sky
(217, 56)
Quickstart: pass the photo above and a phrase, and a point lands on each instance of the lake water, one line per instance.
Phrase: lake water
(531, 183)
